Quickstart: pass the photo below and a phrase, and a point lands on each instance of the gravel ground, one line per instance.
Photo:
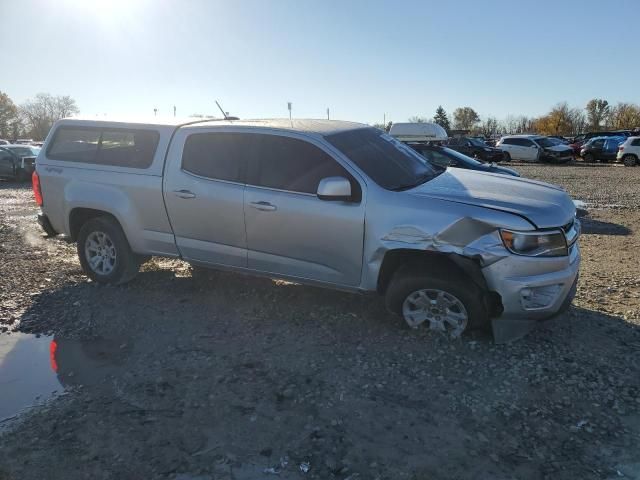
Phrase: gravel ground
(223, 376)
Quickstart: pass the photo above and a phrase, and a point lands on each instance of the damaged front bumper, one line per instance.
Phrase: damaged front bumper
(531, 289)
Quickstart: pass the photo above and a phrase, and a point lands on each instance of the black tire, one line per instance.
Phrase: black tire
(409, 279)
(126, 263)
(629, 161)
(507, 157)
(589, 158)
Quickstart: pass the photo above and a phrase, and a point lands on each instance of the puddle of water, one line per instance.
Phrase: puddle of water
(34, 369)
(26, 376)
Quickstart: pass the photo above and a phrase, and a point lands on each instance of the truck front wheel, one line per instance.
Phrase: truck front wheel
(451, 304)
(104, 252)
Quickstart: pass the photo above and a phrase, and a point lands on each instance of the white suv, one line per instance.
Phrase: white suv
(629, 152)
(534, 148)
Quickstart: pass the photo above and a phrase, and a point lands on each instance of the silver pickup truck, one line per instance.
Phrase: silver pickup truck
(336, 204)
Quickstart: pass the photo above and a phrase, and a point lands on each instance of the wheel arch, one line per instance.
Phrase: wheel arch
(78, 216)
(438, 261)
(447, 264)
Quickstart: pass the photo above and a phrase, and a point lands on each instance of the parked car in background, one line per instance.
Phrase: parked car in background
(604, 149)
(18, 161)
(472, 147)
(535, 148)
(560, 138)
(426, 139)
(446, 157)
(4, 142)
(629, 152)
(583, 138)
(335, 204)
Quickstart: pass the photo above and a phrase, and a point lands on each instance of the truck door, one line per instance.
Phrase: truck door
(290, 231)
(204, 194)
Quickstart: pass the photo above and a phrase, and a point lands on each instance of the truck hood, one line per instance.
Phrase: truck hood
(543, 204)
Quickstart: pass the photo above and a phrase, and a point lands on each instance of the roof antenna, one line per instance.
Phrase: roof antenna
(226, 114)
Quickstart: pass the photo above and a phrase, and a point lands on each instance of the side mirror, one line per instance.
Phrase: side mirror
(334, 188)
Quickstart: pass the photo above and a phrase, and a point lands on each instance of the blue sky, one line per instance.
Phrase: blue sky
(361, 59)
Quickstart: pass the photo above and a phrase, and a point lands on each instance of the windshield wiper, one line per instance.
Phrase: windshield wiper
(423, 179)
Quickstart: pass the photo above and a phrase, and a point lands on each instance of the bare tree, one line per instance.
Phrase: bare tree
(418, 119)
(489, 127)
(510, 124)
(625, 116)
(383, 127)
(39, 113)
(578, 120)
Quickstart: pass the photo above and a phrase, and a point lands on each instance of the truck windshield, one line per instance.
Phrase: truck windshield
(390, 163)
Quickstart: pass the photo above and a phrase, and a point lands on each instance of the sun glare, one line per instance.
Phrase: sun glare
(106, 12)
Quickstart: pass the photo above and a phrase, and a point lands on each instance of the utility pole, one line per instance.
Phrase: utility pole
(384, 120)
(289, 107)
(155, 112)
(174, 110)
(327, 113)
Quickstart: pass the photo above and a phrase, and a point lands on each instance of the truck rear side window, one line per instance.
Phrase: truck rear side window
(104, 146)
(74, 145)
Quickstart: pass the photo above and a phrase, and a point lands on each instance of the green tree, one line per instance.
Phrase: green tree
(465, 118)
(8, 116)
(598, 111)
(441, 118)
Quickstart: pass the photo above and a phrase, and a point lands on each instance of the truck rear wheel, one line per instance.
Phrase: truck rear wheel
(448, 303)
(104, 252)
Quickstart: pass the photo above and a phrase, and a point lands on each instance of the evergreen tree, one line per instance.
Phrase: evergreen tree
(442, 119)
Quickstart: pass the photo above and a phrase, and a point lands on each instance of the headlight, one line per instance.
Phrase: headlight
(535, 244)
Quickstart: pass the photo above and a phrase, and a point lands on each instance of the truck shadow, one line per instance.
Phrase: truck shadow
(592, 226)
(231, 363)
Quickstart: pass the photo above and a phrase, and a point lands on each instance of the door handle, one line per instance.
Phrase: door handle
(264, 206)
(184, 194)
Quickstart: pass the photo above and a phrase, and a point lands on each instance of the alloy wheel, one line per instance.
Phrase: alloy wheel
(443, 311)
(100, 252)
